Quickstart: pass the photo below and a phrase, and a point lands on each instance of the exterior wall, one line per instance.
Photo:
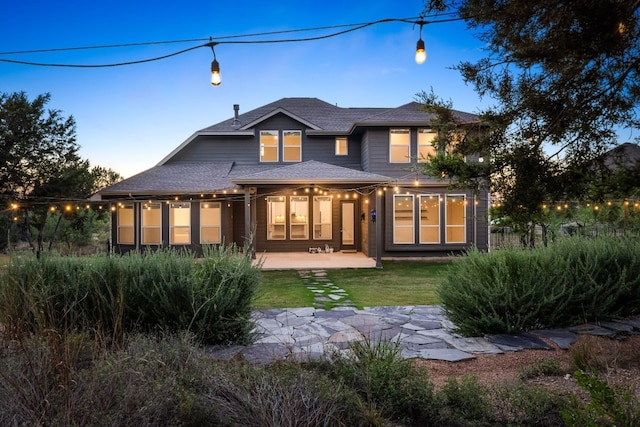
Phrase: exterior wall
(289, 245)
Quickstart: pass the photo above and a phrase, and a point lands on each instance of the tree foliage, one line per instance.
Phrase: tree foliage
(39, 161)
(564, 74)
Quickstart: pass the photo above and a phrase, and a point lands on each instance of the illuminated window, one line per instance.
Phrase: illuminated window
(276, 218)
(151, 223)
(399, 145)
(342, 146)
(429, 218)
(403, 223)
(125, 224)
(455, 218)
(299, 208)
(426, 147)
(292, 145)
(210, 222)
(268, 145)
(322, 217)
(179, 223)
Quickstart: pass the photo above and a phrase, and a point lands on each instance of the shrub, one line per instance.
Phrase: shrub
(154, 291)
(527, 405)
(516, 290)
(464, 403)
(389, 385)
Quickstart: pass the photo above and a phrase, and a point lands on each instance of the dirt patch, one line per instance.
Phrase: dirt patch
(617, 360)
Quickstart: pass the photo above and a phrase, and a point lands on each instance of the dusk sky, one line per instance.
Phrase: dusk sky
(130, 117)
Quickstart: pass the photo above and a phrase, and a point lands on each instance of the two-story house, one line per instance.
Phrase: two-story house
(300, 174)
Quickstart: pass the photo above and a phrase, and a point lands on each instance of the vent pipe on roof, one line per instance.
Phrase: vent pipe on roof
(236, 122)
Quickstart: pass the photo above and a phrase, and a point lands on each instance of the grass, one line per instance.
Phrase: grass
(397, 283)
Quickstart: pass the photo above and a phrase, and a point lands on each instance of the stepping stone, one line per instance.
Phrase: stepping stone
(475, 345)
(348, 335)
(447, 354)
(303, 312)
(561, 337)
(334, 314)
(523, 341)
(335, 297)
(225, 352)
(265, 353)
(616, 326)
(592, 329)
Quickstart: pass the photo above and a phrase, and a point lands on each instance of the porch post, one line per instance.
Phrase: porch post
(247, 220)
(379, 218)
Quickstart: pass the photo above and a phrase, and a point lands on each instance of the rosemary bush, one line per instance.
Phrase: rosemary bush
(514, 290)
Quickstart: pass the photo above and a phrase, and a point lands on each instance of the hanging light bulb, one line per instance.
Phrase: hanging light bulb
(421, 53)
(215, 73)
(216, 79)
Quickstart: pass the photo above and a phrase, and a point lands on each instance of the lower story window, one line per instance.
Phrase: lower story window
(180, 223)
(210, 223)
(322, 218)
(299, 206)
(151, 223)
(126, 224)
(429, 218)
(403, 222)
(276, 218)
(456, 218)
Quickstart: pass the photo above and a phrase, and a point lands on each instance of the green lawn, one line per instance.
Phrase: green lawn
(397, 283)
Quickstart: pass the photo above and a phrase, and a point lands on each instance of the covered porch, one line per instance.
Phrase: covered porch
(312, 261)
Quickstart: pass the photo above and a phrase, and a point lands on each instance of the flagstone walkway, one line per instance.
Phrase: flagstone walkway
(334, 324)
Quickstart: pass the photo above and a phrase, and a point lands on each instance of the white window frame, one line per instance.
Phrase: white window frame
(148, 206)
(286, 133)
(395, 142)
(269, 133)
(276, 218)
(342, 141)
(299, 225)
(423, 227)
(180, 229)
(321, 223)
(455, 226)
(410, 225)
(426, 137)
(211, 211)
(128, 208)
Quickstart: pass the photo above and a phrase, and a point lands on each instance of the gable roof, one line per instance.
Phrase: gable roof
(321, 118)
(310, 172)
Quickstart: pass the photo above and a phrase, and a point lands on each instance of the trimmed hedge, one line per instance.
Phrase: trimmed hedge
(575, 281)
(149, 292)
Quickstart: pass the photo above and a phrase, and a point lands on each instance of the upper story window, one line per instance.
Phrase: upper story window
(292, 145)
(342, 146)
(268, 145)
(426, 147)
(399, 146)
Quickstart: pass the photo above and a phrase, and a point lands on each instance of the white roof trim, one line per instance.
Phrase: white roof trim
(283, 111)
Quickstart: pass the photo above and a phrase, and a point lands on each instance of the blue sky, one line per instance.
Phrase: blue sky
(129, 118)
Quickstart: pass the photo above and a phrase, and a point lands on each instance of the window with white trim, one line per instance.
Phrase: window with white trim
(292, 146)
(179, 223)
(403, 219)
(276, 218)
(426, 144)
(211, 223)
(322, 217)
(342, 146)
(126, 233)
(455, 208)
(429, 218)
(151, 223)
(269, 145)
(399, 146)
(299, 208)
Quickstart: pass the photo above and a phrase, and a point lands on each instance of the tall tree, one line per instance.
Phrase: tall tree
(564, 74)
(39, 161)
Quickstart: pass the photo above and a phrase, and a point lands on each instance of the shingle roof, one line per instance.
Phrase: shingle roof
(331, 118)
(310, 172)
(175, 178)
